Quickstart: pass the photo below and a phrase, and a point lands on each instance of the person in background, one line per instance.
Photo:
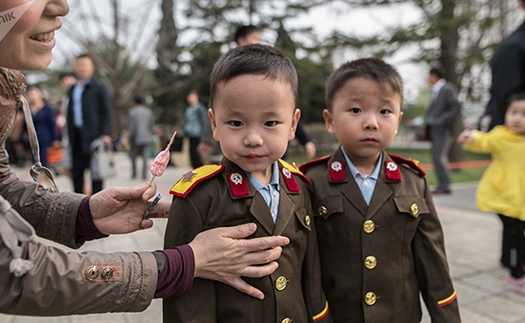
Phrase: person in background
(88, 118)
(246, 35)
(508, 73)
(140, 127)
(444, 107)
(254, 115)
(67, 80)
(195, 117)
(93, 282)
(502, 186)
(44, 121)
(380, 239)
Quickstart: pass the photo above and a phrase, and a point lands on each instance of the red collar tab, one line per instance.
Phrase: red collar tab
(238, 184)
(289, 180)
(411, 163)
(392, 171)
(337, 171)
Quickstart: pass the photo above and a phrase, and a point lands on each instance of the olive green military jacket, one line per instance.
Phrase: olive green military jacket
(222, 195)
(61, 281)
(376, 260)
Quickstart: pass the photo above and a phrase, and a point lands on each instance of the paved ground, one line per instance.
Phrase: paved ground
(472, 243)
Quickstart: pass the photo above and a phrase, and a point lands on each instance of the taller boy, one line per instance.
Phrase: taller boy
(380, 239)
(253, 116)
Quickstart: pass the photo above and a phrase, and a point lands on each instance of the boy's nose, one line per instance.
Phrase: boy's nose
(253, 139)
(370, 122)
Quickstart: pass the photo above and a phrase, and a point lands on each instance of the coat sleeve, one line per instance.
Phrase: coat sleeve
(58, 284)
(432, 268)
(52, 215)
(452, 106)
(200, 304)
(483, 142)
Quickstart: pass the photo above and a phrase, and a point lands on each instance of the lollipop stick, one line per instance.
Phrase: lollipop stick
(151, 181)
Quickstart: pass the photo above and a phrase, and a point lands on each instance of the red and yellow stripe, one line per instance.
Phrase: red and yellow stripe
(322, 314)
(448, 300)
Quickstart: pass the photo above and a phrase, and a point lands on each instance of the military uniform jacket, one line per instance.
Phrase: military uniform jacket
(377, 259)
(224, 196)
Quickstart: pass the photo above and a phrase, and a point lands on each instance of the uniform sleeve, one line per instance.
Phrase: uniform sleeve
(432, 268)
(315, 297)
(52, 215)
(199, 305)
(58, 284)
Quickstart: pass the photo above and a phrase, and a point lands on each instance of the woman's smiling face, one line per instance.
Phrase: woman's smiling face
(27, 44)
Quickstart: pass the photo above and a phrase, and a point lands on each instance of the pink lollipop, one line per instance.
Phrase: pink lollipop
(161, 161)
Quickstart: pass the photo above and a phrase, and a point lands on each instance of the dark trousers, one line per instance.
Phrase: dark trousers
(441, 138)
(80, 163)
(195, 157)
(142, 151)
(513, 245)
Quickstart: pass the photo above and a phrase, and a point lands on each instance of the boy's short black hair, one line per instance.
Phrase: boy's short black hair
(370, 68)
(138, 99)
(66, 74)
(245, 30)
(437, 72)
(254, 59)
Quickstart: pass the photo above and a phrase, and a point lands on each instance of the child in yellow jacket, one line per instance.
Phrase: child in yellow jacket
(502, 187)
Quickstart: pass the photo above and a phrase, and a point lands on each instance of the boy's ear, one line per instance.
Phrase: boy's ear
(328, 121)
(213, 124)
(295, 121)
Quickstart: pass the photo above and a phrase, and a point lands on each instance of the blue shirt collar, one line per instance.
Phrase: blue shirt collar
(273, 182)
(355, 172)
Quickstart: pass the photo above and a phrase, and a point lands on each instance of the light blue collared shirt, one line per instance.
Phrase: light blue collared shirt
(271, 192)
(366, 183)
(78, 90)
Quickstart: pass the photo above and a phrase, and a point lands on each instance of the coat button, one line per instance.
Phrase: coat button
(281, 283)
(370, 262)
(307, 220)
(322, 211)
(370, 298)
(107, 273)
(286, 320)
(414, 209)
(92, 273)
(369, 226)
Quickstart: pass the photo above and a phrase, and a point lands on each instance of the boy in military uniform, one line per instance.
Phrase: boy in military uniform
(380, 239)
(253, 116)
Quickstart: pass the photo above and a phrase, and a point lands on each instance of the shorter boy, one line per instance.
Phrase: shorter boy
(253, 95)
(380, 239)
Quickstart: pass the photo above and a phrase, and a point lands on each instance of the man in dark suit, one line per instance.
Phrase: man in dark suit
(444, 107)
(508, 73)
(88, 118)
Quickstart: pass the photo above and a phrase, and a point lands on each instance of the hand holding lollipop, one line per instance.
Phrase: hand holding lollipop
(161, 161)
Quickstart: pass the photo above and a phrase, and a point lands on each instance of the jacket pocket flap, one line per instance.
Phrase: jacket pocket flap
(327, 206)
(413, 206)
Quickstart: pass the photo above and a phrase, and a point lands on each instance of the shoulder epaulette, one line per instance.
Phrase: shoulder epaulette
(304, 167)
(410, 163)
(294, 170)
(189, 180)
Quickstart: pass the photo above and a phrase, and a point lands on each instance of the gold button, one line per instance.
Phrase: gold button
(281, 283)
(369, 226)
(286, 320)
(92, 273)
(370, 262)
(370, 298)
(322, 211)
(107, 273)
(414, 209)
(307, 220)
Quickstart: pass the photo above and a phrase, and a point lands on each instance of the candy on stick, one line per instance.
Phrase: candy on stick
(161, 161)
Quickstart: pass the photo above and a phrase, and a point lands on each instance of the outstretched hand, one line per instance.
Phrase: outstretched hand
(223, 254)
(120, 209)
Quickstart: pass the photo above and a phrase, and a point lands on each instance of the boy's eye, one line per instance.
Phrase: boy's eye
(235, 123)
(385, 111)
(355, 110)
(272, 123)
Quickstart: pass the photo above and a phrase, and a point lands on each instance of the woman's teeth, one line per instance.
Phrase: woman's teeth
(44, 37)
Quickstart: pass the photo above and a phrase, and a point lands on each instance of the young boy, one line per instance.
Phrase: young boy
(380, 240)
(254, 115)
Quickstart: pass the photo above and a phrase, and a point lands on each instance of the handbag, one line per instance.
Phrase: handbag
(102, 164)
